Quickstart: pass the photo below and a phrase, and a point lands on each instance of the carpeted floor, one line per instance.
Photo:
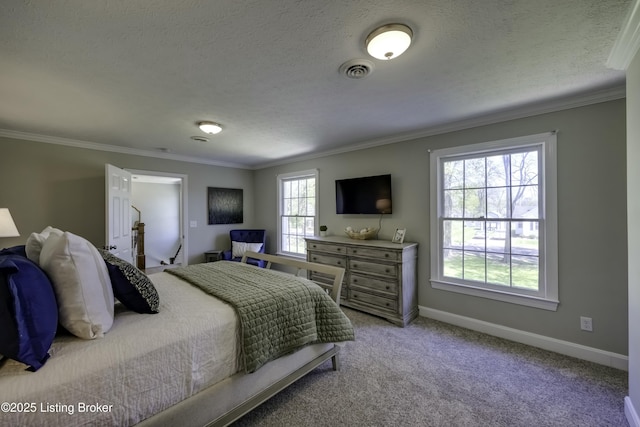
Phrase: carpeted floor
(434, 374)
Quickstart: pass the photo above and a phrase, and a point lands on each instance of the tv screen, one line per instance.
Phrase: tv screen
(366, 195)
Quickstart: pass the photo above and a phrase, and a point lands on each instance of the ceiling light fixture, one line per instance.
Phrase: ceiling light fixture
(210, 127)
(389, 41)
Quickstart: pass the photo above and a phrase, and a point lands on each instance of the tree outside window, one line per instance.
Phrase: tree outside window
(490, 228)
(297, 208)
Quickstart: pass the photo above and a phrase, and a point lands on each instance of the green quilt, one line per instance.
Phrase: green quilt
(278, 312)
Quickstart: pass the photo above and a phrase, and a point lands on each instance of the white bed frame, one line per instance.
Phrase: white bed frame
(230, 399)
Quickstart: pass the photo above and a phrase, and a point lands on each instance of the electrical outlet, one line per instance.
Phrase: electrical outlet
(193, 224)
(586, 324)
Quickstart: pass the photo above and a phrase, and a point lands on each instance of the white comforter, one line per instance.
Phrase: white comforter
(143, 365)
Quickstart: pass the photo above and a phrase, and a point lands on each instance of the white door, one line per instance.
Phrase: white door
(118, 215)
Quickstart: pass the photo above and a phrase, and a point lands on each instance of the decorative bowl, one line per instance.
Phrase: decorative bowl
(364, 234)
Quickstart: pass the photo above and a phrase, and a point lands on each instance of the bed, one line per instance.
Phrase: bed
(186, 365)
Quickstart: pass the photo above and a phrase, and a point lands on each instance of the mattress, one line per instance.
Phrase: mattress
(144, 364)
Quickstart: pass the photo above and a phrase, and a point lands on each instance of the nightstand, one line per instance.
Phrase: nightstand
(211, 256)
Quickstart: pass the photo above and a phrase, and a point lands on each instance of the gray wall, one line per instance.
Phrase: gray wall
(591, 208)
(633, 200)
(46, 184)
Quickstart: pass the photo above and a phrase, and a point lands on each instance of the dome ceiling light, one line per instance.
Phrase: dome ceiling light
(389, 41)
(211, 128)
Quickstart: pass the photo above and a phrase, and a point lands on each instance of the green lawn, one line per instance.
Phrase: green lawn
(525, 274)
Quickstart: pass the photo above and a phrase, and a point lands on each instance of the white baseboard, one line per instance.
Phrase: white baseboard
(630, 413)
(607, 358)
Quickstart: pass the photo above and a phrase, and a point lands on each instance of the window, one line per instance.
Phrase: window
(297, 196)
(493, 220)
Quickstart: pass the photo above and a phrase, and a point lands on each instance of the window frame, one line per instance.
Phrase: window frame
(292, 176)
(547, 295)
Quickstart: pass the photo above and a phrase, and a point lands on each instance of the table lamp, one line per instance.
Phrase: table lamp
(7, 226)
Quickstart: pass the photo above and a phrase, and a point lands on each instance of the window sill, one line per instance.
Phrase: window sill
(536, 302)
(302, 257)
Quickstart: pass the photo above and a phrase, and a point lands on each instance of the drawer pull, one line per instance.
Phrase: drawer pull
(355, 280)
(355, 265)
(355, 251)
(338, 249)
(339, 263)
(386, 255)
(386, 270)
(387, 304)
(315, 259)
(387, 287)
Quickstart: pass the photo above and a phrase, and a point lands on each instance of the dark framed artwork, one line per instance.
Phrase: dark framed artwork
(225, 205)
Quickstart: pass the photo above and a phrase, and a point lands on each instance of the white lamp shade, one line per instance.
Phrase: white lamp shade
(210, 127)
(389, 41)
(7, 226)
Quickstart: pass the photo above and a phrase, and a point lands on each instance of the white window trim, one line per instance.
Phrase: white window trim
(293, 175)
(548, 300)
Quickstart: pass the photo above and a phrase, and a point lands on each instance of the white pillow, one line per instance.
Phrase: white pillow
(35, 242)
(239, 248)
(81, 282)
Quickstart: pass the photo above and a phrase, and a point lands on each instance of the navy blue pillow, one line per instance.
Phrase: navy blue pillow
(15, 250)
(28, 311)
(130, 285)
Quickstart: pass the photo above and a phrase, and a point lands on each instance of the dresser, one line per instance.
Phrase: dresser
(380, 276)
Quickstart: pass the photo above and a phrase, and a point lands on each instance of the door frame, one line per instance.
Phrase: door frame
(183, 205)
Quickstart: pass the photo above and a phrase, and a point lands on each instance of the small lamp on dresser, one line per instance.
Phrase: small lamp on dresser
(384, 207)
(7, 226)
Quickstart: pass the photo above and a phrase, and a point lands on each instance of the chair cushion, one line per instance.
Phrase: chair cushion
(239, 248)
(28, 311)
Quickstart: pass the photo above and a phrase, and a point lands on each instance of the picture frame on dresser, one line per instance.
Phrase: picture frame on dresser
(398, 236)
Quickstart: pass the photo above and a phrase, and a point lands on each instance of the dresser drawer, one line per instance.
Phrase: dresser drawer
(326, 247)
(382, 254)
(356, 265)
(327, 259)
(379, 302)
(379, 285)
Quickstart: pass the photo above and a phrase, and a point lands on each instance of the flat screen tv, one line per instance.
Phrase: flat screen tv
(365, 195)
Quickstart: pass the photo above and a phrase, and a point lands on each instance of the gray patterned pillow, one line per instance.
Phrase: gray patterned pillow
(130, 285)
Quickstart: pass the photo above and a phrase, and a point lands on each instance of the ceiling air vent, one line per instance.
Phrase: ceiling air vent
(356, 68)
(199, 138)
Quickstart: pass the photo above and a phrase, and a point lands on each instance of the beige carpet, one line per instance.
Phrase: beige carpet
(434, 374)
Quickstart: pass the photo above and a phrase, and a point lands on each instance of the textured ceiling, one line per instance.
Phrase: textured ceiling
(140, 74)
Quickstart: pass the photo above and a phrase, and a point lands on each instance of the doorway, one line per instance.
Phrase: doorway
(159, 201)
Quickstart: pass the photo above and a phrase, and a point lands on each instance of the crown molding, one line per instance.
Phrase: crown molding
(115, 148)
(628, 41)
(565, 103)
(580, 100)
